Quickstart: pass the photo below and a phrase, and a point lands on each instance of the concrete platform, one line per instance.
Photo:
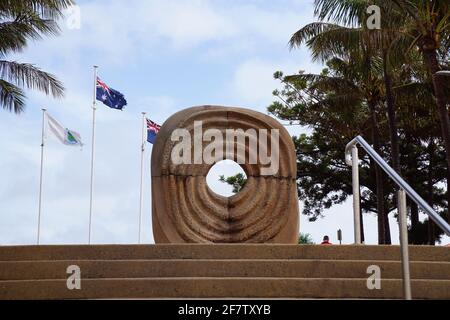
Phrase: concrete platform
(220, 271)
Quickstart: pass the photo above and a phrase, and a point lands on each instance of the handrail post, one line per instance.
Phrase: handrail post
(356, 195)
(351, 151)
(401, 195)
(414, 196)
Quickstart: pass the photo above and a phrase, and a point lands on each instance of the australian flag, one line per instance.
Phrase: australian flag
(110, 97)
(152, 131)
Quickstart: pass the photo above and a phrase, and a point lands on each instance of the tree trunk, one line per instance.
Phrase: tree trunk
(414, 223)
(380, 206)
(412, 164)
(431, 232)
(432, 64)
(387, 229)
(361, 219)
(378, 178)
(392, 118)
(393, 132)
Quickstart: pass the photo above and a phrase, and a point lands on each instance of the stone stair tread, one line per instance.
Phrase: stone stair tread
(220, 271)
(224, 268)
(244, 252)
(219, 287)
(296, 260)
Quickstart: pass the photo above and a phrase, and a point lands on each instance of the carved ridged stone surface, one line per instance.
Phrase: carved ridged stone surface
(185, 210)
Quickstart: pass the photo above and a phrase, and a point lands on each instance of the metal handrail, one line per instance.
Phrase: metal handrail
(351, 158)
(398, 180)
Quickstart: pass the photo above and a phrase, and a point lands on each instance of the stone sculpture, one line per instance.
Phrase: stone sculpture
(185, 210)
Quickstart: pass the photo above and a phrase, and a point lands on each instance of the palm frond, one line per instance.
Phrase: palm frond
(337, 41)
(347, 12)
(407, 6)
(15, 34)
(12, 98)
(413, 90)
(309, 31)
(20, 21)
(27, 75)
(46, 9)
(12, 35)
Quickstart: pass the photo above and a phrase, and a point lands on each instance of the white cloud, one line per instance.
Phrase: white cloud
(187, 24)
(159, 108)
(119, 34)
(254, 83)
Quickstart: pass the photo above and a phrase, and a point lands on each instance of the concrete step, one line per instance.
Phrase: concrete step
(217, 252)
(220, 271)
(116, 269)
(157, 288)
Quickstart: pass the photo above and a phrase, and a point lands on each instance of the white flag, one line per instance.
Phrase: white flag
(64, 135)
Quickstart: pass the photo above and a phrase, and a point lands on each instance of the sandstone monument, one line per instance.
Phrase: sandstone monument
(185, 210)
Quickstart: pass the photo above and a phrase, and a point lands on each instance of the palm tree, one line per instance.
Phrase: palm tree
(20, 21)
(327, 40)
(353, 80)
(405, 24)
(429, 26)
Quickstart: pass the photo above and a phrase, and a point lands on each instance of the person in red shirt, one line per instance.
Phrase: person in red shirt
(326, 241)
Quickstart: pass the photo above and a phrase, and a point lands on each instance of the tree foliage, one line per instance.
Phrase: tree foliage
(332, 120)
(378, 84)
(21, 21)
(305, 238)
(237, 181)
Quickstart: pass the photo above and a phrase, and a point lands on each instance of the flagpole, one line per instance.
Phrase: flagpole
(44, 111)
(94, 109)
(141, 200)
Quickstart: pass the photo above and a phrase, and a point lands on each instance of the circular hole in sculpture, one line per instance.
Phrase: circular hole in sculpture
(226, 178)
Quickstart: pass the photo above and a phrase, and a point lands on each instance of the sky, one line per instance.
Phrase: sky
(165, 56)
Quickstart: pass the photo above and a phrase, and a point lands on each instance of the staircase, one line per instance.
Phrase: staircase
(220, 271)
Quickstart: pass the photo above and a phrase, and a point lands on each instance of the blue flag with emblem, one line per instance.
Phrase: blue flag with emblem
(110, 97)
